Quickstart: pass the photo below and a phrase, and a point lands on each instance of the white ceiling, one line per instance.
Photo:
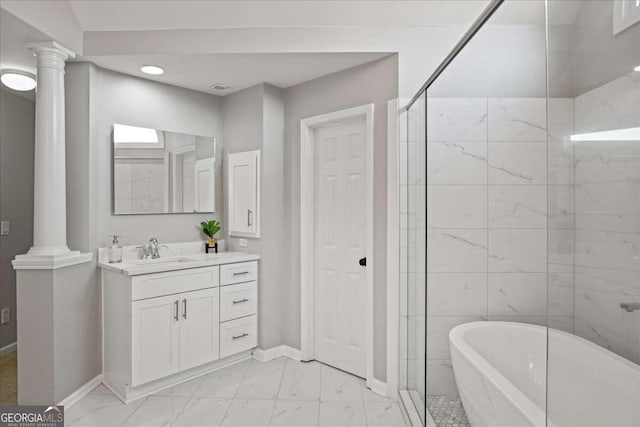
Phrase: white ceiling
(284, 42)
(241, 70)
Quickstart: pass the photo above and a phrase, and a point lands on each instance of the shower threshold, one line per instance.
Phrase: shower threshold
(416, 412)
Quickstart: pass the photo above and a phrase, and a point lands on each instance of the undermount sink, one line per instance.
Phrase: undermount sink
(167, 260)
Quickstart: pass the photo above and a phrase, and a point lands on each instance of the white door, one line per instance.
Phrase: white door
(188, 184)
(199, 327)
(340, 290)
(244, 194)
(204, 185)
(155, 331)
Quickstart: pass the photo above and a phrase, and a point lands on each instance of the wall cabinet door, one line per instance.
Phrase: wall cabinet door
(244, 194)
(199, 331)
(155, 343)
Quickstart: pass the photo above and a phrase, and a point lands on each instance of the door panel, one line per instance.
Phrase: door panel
(155, 330)
(244, 199)
(199, 331)
(340, 243)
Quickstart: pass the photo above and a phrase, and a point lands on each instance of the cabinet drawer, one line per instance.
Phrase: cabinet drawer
(238, 335)
(239, 272)
(173, 282)
(238, 300)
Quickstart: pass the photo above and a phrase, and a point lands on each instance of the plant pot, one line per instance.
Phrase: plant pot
(212, 242)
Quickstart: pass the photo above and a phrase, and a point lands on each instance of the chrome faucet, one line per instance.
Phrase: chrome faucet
(150, 250)
(630, 307)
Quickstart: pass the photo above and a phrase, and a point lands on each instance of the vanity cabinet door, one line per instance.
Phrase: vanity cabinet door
(155, 338)
(199, 327)
(244, 194)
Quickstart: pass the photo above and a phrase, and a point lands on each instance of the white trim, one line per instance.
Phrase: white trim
(7, 349)
(377, 386)
(75, 397)
(50, 262)
(275, 352)
(393, 246)
(307, 228)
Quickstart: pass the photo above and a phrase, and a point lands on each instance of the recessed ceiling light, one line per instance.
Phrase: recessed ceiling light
(637, 68)
(220, 86)
(18, 80)
(152, 69)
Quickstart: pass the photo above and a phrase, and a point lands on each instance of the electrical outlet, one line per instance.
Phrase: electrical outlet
(242, 243)
(5, 228)
(6, 315)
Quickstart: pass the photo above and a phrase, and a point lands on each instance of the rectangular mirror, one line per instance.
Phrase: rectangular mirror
(157, 171)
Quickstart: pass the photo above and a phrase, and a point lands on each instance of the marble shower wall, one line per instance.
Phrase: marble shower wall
(607, 207)
(488, 179)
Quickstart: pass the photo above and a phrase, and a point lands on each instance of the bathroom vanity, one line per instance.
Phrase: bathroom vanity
(174, 318)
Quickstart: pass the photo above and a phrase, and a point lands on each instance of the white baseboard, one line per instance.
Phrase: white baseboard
(377, 386)
(75, 397)
(275, 352)
(9, 348)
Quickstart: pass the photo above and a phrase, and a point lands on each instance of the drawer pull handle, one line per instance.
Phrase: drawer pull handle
(176, 315)
(240, 301)
(237, 337)
(184, 308)
(240, 273)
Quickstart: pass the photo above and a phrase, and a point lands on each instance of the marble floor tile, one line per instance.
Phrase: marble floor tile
(370, 396)
(157, 411)
(202, 411)
(249, 412)
(301, 381)
(385, 414)
(224, 382)
(262, 380)
(100, 409)
(295, 413)
(185, 389)
(342, 414)
(340, 386)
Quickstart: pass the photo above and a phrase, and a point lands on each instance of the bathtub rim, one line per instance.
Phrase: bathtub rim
(456, 339)
(525, 405)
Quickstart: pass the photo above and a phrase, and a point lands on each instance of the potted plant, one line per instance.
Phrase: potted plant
(210, 228)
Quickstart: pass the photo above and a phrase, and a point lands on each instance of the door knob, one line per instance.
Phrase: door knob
(363, 261)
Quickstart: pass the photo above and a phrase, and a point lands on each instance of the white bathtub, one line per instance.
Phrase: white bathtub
(501, 372)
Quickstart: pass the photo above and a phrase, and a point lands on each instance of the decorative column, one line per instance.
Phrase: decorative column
(49, 248)
(52, 282)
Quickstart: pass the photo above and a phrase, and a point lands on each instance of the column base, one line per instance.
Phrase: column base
(35, 261)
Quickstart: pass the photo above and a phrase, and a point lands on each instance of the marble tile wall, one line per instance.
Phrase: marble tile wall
(139, 186)
(489, 207)
(607, 217)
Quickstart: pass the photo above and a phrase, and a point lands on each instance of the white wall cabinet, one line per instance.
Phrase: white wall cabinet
(163, 328)
(244, 194)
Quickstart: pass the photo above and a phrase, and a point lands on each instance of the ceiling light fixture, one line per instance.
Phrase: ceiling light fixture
(18, 80)
(154, 70)
(636, 68)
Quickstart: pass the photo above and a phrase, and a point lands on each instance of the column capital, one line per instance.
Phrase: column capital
(50, 53)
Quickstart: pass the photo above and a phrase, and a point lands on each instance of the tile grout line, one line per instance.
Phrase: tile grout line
(236, 392)
(275, 401)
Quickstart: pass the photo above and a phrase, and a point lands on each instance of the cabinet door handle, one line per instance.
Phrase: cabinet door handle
(239, 301)
(240, 273)
(249, 218)
(237, 337)
(177, 308)
(184, 308)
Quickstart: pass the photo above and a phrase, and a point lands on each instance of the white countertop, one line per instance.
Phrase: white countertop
(134, 267)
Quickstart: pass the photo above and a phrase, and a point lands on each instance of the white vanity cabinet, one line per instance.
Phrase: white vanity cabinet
(163, 328)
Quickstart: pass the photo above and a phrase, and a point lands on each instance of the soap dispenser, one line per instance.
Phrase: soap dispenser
(115, 250)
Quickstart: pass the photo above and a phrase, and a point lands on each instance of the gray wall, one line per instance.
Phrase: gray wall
(116, 98)
(375, 82)
(17, 124)
(254, 120)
